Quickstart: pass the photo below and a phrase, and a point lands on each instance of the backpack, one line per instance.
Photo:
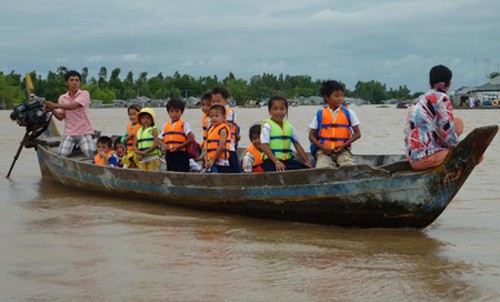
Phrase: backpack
(194, 149)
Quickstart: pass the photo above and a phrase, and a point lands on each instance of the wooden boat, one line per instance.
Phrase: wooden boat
(382, 191)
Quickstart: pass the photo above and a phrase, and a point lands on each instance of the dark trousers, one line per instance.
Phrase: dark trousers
(177, 161)
(234, 162)
(290, 164)
(224, 169)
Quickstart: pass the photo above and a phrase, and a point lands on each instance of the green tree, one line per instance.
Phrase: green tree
(140, 84)
(115, 84)
(372, 91)
(10, 93)
(61, 71)
(96, 93)
(175, 93)
(85, 74)
(54, 86)
(493, 75)
(103, 76)
(157, 87)
(239, 90)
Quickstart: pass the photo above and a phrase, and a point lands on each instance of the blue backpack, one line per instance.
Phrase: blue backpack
(319, 115)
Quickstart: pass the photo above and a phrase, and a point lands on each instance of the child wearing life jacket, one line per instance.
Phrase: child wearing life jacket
(130, 159)
(220, 96)
(120, 151)
(218, 141)
(176, 137)
(146, 141)
(105, 155)
(252, 158)
(206, 102)
(333, 129)
(277, 135)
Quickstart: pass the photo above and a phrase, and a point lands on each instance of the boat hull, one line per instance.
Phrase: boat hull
(359, 196)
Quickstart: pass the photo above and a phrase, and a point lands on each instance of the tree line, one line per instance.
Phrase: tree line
(111, 86)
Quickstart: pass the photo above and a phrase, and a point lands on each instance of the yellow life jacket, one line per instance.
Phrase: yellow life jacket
(146, 140)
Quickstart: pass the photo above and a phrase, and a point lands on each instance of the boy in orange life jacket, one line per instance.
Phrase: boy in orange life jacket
(175, 138)
(220, 96)
(218, 141)
(334, 129)
(206, 102)
(105, 155)
(252, 158)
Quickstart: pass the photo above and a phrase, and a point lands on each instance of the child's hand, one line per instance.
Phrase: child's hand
(102, 154)
(339, 148)
(174, 149)
(309, 164)
(210, 163)
(326, 150)
(280, 166)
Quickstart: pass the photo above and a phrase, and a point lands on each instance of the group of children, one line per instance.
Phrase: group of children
(332, 131)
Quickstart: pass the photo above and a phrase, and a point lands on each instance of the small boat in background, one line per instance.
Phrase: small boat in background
(401, 105)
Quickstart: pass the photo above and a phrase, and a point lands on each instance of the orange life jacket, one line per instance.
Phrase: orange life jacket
(174, 136)
(132, 130)
(257, 155)
(232, 125)
(205, 123)
(99, 160)
(213, 141)
(335, 128)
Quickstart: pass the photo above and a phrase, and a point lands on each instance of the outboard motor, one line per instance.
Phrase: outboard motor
(31, 114)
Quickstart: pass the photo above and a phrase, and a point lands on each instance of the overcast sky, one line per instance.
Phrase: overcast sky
(393, 42)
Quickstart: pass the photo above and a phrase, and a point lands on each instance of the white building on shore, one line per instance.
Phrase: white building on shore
(484, 95)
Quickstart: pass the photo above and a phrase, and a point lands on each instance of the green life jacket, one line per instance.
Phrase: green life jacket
(146, 140)
(280, 140)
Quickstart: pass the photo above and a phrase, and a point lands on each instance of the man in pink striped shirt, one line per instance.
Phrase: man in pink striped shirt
(73, 108)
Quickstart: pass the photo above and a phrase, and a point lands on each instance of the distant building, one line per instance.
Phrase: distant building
(191, 102)
(142, 101)
(484, 94)
(96, 103)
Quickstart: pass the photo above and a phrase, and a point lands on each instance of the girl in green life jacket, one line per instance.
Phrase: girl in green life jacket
(277, 135)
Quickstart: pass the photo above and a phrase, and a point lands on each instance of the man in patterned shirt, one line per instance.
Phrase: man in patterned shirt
(431, 128)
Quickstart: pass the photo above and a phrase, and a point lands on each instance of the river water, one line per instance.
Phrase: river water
(63, 245)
